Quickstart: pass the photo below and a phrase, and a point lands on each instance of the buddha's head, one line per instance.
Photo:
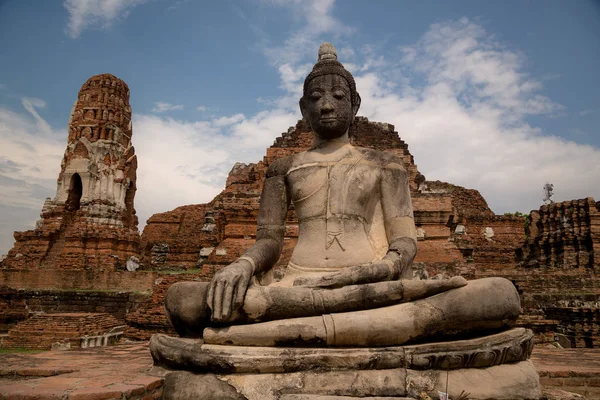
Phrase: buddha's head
(330, 100)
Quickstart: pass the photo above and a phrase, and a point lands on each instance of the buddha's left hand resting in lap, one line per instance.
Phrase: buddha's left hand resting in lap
(348, 282)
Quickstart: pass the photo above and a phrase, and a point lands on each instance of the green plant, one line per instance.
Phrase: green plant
(515, 214)
(180, 272)
(19, 350)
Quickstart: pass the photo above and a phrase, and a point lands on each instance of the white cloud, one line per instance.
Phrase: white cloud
(30, 105)
(30, 155)
(589, 111)
(317, 20)
(231, 120)
(85, 14)
(202, 108)
(176, 5)
(345, 53)
(161, 106)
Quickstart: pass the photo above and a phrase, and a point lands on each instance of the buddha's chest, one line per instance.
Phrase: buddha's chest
(346, 186)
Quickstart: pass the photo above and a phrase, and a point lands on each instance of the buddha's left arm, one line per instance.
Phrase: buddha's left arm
(398, 219)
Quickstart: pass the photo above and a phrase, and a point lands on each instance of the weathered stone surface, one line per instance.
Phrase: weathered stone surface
(509, 381)
(132, 264)
(507, 347)
(127, 368)
(91, 221)
(187, 386)
(450, 313)
(557, 394)
(320, 397)
(42, 375)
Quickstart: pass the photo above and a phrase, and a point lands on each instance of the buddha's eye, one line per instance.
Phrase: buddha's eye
(339, 94)
(316, 95)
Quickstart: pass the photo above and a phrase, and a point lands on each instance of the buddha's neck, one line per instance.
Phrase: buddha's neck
(330, 145)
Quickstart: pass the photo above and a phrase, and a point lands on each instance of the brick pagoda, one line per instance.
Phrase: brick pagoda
(91, 222)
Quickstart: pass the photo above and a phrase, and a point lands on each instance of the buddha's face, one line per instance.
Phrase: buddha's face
(327, 106)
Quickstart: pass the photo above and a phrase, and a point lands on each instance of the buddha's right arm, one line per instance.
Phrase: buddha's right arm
(274, 203)
(265, 253)
(228, 286)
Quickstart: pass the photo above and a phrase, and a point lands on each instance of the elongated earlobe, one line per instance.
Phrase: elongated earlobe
(302, 111)
(356, 104)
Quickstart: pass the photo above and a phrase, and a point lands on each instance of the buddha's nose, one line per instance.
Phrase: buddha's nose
(327, 107)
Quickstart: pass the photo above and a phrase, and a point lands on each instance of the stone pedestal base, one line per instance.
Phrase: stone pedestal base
(508, 381)
(491, 367)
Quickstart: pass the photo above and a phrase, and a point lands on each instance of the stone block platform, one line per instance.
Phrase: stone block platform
(101, 373)
(124, 372)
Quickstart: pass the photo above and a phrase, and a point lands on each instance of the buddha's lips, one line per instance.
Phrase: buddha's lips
(327, 119)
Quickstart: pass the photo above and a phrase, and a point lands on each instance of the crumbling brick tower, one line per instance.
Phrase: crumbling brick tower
(91, 222)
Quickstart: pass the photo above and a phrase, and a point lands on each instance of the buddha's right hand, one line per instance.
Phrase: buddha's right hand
(228, 289)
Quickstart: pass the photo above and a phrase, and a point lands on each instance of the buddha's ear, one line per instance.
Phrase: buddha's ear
(355, 105)
(303, 110)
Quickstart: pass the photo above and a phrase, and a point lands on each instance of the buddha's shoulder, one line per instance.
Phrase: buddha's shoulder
(368, 157)
(382, 159)
(281, 166)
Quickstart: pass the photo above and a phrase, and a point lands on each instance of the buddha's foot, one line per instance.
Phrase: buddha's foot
(187, 354)
(482, 305)
(265, 303)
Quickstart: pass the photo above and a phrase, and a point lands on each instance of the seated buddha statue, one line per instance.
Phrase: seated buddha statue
(349, 280)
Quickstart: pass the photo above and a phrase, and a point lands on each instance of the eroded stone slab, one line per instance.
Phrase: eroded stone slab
(505, 347)
(508, 381)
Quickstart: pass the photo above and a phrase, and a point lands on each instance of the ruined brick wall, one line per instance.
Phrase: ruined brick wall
(24, 292)
(91, 222)
(492, 241)
(555, 271)
(178, 239)
(41, 331)
(556, 301)
(565, 235)
(13, 308)
(558, 269)
(23, 303)
(458, 234)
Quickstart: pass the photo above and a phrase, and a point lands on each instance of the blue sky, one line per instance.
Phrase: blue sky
(496, 96)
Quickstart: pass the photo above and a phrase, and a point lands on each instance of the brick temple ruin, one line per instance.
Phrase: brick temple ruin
(91, 221)
(89, 227)
(74, 261)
